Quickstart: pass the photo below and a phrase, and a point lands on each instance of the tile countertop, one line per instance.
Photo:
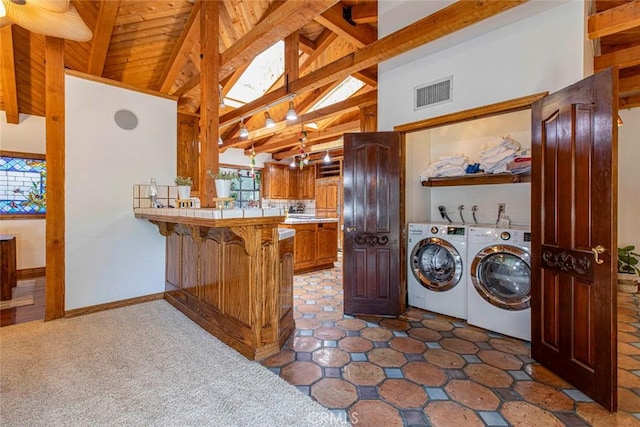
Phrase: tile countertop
(308, 220)
(209, 213)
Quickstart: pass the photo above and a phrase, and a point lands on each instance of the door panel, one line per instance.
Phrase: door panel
(574, 142)
(372, 218)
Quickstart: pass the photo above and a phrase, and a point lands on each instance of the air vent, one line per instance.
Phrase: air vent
(433, 93)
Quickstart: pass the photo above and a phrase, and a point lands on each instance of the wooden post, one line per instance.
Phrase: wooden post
(291, 58)
(55, 218)
(210, 101)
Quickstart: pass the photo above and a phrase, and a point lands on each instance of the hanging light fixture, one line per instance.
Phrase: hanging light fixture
(3, 11)
(50, 18)
(220, 140)
(327, 157)
(244, 132)
(268, 121)
(293, 162)
(252, 161)
(620, 122)
(291, 113)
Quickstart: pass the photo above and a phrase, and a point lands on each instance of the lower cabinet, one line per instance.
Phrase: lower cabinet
(316, 245)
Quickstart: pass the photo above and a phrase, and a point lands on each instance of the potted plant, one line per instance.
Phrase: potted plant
(223, 179)
(184, 184)
(628, 269)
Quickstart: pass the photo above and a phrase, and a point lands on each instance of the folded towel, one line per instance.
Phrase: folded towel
(452, 165)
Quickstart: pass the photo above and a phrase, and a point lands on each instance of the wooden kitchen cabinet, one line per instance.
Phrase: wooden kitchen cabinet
(316, 245)
(284, 182)
(275, 181)
(327, 198)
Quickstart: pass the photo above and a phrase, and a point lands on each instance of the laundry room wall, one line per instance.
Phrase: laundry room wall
(538, 47)
(629, 179)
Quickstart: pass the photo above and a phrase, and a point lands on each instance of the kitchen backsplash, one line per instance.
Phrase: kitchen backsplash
(298, 206)
(167, 195)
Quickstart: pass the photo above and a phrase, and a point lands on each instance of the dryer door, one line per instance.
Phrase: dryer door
(436, 264)
(502, 275)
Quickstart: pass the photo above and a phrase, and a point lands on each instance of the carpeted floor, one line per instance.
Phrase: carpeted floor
(141, 365)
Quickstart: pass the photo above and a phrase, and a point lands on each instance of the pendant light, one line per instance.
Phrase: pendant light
(293, 162)
(327, 157)
(268, 121)
(222, 104)
(220, 140)
(291, 113)
(620, 122)
(244, 132)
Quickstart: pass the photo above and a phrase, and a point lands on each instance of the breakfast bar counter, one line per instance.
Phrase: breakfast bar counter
(230, 271)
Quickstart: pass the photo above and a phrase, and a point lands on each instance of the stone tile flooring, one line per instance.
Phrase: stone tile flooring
(426, 369)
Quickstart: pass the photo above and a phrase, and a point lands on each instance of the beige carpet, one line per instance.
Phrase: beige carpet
(22, 294)
(144, 365)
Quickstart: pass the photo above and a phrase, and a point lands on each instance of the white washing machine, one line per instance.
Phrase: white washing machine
(499, 280)
(436, 278)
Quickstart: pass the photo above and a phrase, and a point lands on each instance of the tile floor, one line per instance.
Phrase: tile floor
(426, 369)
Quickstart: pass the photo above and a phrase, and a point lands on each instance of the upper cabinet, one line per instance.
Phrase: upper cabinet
(328, 197)
(284, 182)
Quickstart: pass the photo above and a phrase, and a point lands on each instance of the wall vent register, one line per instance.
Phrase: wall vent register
(433, 93)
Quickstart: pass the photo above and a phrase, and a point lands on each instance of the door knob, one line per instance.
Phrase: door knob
(597, 251)
(351, 229)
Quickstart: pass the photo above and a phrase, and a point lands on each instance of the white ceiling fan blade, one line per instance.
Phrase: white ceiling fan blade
(68, 25)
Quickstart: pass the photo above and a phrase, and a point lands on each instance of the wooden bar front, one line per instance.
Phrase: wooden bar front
(233, 277)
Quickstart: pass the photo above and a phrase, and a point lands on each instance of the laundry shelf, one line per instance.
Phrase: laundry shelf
(477, 179)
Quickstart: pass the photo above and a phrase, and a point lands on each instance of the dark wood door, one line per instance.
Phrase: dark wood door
(574, 193)
(372, 224)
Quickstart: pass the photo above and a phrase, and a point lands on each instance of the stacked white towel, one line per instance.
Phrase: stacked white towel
(453, 165)
(498, 155)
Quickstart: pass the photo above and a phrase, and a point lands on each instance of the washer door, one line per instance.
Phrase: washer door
(502, 275)
(436, 264)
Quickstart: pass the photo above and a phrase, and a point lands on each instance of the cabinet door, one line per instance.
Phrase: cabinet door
(188, 148)
(275, 182)
(293, 179)
(321, 200)
(327, 242)
(305, 245)
(332, 200)
(307, 182)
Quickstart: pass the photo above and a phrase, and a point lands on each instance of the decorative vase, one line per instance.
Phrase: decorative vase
(184, 192)
(223, 188)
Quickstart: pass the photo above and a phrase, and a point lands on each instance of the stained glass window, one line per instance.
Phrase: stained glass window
(22, 185)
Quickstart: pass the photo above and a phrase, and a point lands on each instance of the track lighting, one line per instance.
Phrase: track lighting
(243, 130)
(327, 158)
(291, 113)
(268, 121)
(293, 162)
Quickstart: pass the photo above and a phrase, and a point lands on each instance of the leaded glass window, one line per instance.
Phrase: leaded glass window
(23, 179)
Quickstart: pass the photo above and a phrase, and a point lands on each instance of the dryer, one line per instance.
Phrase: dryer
(436, 278)
(499, 280)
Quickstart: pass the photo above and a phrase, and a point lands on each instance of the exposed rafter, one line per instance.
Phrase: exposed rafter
(614, 20)
(359, 35)
(8, 75)
(102, 35)
(623, 58)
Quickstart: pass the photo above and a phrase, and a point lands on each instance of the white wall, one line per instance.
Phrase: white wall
(539, 51)
(28, 137)
(110, 255)
(236, 156)
(629, 179)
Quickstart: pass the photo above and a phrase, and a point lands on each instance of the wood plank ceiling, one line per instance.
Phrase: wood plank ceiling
(155, 44)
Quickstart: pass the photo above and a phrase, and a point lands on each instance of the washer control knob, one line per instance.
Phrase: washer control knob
(505, 235)
(434, 230)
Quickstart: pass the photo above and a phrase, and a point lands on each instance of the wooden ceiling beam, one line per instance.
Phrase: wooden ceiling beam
(306, 45)
(102, 36)
(623, 58)
(314, 137)
(629, 102)
(367, 77)
(365, 13)
(359, 35)
(455, 17)
(8, 75)
(284, 20)
(182, 49)
(629, 85)
(614, 20)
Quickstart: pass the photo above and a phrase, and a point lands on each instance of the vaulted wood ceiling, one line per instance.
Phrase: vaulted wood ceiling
(156, 45)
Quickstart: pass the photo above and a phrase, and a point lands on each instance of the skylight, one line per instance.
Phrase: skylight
(344, 90)
(263, 72)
